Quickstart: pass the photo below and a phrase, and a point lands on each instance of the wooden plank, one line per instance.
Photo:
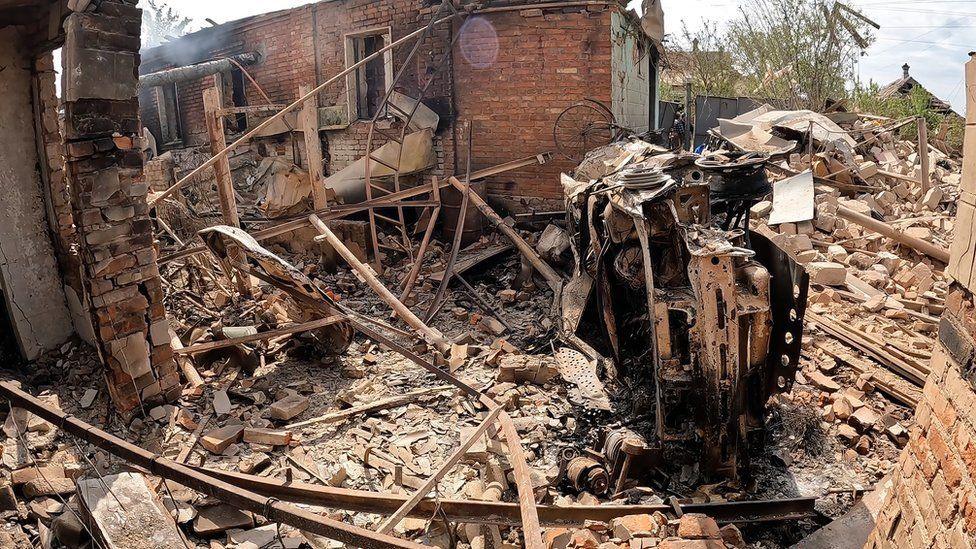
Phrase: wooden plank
(227, 111)
(890, 384)
(225, 183)
(269, 507)
(540, 158)
(190, 372)
(880, 227)
(215, 131)
(445, 467)
(531, 530)
(890, 358)
(309, 119)
(376, 405)
(924, 176)
(547, 272)
(260, 336)
(431, 335)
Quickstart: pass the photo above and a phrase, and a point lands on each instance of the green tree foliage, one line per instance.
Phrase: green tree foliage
(797, 50)
(160, 23)
(706, 60)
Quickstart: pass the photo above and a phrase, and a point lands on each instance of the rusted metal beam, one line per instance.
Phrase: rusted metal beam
(267, 506)
(458, 237)
(504, 513)
(418, 260)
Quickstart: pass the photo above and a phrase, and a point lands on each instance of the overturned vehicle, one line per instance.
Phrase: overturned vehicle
(702, 338)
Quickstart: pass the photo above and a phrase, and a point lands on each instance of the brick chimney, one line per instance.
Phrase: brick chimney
(904, 70)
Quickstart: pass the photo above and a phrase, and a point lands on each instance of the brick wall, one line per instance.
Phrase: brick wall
(512, 73)
(522, 69)
(932, 502)
(60, 216)
(115, 239)
(306, 46)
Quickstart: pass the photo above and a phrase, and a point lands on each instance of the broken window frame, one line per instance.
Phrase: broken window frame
(356, 85)
(170, 119)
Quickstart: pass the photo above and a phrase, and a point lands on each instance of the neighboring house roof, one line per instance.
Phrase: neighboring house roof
(904, 85)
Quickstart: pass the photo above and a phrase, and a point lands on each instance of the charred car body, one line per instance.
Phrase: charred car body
(706, 334)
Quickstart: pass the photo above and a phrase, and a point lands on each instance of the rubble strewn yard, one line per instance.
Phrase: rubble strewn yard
(369, 316)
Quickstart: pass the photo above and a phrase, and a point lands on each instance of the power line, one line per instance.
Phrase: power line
(929, 27)
(926, 42)
(915, 2)
(913, 38)
(930, 12)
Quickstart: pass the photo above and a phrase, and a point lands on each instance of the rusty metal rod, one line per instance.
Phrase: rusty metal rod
(458, 237)
(267, 506)
(505, 513)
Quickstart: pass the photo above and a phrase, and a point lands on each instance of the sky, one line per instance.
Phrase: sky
(933, 36)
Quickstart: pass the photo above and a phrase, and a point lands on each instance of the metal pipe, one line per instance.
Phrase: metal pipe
(197, 71)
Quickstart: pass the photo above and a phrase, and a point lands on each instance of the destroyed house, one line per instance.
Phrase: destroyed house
(510, 69)
(904, 86)
(774, 337)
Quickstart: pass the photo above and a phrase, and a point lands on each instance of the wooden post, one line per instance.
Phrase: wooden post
(225, 184)
(880, 227)
(431, 335)
(309, 122)
(418, 260)
(923, 154)
(552, 277)
(687, 137)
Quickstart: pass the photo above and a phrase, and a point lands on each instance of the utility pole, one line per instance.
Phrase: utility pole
(688, 134)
